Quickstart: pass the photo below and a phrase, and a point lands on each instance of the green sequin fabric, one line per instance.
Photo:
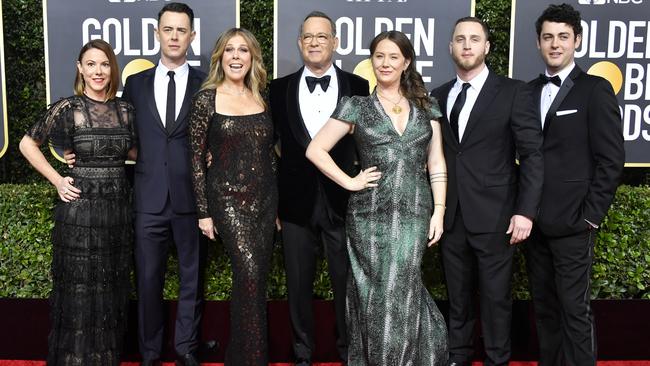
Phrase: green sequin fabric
(392, 320)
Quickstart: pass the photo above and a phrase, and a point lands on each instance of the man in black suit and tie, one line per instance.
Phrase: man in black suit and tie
(583, 158)
(165, 208)
(311, 206)
(487, 120)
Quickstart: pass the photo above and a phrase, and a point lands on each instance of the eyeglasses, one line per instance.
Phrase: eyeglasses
(321, 38)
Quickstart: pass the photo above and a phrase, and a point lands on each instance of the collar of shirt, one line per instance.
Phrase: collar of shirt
(181, 71)
(317, 107)
(563, 74)
(331, 72)
(476, 84)
(160, 83)
(550, 90)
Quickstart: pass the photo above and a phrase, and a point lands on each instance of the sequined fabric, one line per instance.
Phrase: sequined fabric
(239, 192)
(391, 317)
(92, 237)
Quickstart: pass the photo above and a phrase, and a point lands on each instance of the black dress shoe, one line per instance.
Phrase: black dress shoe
(187, 359)
(155, 362)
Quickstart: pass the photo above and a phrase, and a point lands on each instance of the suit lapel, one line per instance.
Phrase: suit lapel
(344, 84)
(151, 99)
(295, 121)
(565, 88)
(193, 84)
(537, 88)
(489, 90)
(446, 130)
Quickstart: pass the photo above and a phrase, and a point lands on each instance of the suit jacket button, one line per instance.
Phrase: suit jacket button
(460, 153)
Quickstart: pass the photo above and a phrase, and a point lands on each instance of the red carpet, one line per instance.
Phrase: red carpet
(600, 363)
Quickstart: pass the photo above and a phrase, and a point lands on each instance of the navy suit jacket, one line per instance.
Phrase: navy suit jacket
(484, 179)
(583, 153)
(163, 163)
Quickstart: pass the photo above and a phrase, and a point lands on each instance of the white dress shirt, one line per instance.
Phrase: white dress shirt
(317, 107)
(550, 90)
(160, 83)
(476, 84)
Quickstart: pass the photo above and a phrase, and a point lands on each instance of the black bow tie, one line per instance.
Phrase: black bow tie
(550, 79)
(312, 81)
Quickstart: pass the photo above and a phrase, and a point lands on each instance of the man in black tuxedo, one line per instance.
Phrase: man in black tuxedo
(165, 209)
(583, 158)
(311, 206)
(487, 120)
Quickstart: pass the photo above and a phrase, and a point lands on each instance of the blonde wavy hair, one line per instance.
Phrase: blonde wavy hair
(255, 79)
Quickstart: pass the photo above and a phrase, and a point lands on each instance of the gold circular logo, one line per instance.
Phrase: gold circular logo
(134, 67)
(609, 71)
(364, 69)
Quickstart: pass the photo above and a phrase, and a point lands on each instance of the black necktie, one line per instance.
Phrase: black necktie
(170, 113)
(550, 79)
(455, 110)
(312, 81)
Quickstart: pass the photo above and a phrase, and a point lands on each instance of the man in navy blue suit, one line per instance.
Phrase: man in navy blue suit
(164, 200)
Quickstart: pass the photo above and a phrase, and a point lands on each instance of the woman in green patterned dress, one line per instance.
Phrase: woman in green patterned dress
(391, 218)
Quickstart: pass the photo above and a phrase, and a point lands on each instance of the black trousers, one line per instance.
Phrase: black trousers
(154, 233)
(559, 271)
(483, 262)
(301, 246)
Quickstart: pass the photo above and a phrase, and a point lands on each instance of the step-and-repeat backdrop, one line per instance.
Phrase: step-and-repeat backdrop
(128, 25)
(615, 45)
(427, 23)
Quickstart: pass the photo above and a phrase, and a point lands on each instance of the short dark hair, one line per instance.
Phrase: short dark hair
(475, 20)
(319, 14)
(563, 13)
(178, 8)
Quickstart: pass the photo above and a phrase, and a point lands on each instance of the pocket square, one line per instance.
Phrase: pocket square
(565, 112)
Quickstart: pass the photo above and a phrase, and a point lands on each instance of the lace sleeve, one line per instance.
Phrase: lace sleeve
(128, 116)
(202, 107)
(57, 125)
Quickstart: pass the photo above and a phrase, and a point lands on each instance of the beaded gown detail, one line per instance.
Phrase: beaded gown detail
(239, 192)
(92, 237)
(392, 320)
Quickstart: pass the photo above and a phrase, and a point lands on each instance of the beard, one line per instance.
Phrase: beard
(468, 64)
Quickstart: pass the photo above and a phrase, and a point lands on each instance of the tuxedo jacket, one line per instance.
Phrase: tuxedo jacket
(485, 181)
(299, 181)
(163, 164)
(583, 153)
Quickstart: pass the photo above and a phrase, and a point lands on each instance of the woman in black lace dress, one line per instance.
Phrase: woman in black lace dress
(92, 235)
(237, 195)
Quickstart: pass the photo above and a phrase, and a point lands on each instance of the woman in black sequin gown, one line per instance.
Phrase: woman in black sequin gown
(237, 195)
(92, 235)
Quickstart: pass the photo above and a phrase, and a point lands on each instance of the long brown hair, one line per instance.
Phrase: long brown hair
(255, 79)
(114, 83)
(411, 84)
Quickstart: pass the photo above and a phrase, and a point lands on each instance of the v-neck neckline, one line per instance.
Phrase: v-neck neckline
(390, 121)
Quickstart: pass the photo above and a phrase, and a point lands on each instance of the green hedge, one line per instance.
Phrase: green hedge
(621, 269)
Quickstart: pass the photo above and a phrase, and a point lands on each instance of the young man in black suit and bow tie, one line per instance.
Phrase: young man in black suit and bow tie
(165, 209)
(491, 202)
(312, 207)
(583, 159)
